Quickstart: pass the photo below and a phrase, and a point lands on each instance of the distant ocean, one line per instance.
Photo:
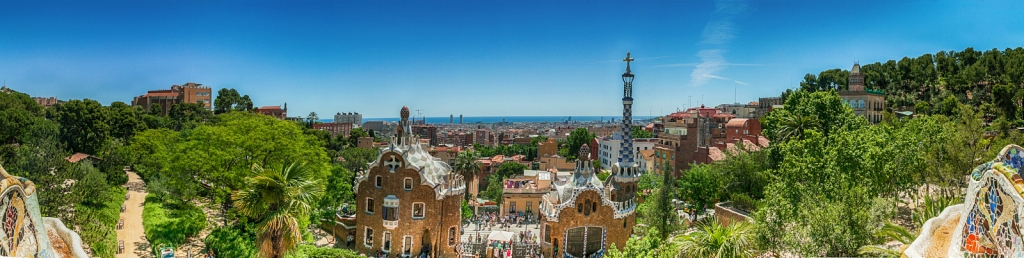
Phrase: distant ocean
(513, 119)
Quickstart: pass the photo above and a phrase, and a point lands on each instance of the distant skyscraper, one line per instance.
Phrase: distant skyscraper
(460, 119)
(451, 119)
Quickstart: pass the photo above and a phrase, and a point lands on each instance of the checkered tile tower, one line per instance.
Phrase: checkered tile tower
(626, 171)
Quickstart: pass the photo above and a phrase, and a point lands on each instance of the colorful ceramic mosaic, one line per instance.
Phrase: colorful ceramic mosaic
(22, 231)
(992, 224)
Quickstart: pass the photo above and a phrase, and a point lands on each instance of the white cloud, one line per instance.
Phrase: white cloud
(718, 32)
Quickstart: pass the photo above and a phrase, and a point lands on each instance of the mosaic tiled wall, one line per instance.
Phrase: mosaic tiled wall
(21, 230)
(990, 224)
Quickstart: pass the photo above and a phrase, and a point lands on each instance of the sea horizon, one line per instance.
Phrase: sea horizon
(511, 119)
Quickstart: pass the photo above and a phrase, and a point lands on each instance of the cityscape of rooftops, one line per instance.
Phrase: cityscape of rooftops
(589, 129)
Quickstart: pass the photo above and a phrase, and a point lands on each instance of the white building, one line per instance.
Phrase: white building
(350, 117)
(608, 152)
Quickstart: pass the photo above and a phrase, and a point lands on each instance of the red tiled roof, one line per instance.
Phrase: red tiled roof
(716, 154)
(78, 156)
(736, 122)
(161, 94)
(269, 107)
(762, 141)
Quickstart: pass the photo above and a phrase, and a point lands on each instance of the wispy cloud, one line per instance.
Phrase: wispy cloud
(695, 64)
(717, 34)
(712, 76)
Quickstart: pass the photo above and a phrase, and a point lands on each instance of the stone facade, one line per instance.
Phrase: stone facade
(867, 103)
(584, 216)
(187, 93)
(408, 202)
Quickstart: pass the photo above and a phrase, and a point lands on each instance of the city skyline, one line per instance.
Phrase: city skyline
(495, 59)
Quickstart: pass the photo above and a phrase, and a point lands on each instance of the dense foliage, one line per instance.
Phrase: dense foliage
(935, 82)
(170, 221)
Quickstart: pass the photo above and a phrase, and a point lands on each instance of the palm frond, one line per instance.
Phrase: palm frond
(877, 251)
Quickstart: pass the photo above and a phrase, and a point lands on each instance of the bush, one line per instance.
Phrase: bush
(743, 202)
(99, 223)
(171, 222)
(232, 241)
(310, 251)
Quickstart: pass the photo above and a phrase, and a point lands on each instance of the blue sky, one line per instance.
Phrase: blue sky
(476, 58)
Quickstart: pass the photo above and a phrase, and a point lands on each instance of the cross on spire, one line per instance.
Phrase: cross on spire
(627, 60)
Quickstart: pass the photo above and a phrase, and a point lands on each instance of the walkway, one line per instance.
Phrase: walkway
(133, 235)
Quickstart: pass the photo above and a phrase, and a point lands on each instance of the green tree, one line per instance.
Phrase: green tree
(234, 241)
(467, 164)
(125, 121)
(354, 134)
(276, 198)
(37, 159)
(92, 189)
(338, 192)
(84, 125)
(229, 100)
(577, 138)
(189, 115)
(509, 169)
(712, 239)
(662, 216)
(467, 212)
(700, 187)
(313, 118)
(640, 133)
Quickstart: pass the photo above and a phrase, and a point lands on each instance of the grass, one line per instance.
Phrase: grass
(98, 223)
(171, 222)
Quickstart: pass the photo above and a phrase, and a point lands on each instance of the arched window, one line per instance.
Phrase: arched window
(547, 233)
(451, 236)
(407, 245)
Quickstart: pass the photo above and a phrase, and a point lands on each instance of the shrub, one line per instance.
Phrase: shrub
(743, 202)
(232, 241)
(98, 223)
(310, 251)
(171, 222)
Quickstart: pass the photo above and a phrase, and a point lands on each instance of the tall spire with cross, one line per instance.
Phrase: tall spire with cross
(626, 146)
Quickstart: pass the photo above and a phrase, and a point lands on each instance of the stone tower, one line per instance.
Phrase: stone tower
(856, 82)
(626, 172)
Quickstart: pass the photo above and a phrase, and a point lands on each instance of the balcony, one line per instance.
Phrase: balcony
(390, 224)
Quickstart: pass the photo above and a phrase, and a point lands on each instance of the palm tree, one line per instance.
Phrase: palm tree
(467, 165)
(794, 125)
(275, 199)
(888, 231)
(712, 239)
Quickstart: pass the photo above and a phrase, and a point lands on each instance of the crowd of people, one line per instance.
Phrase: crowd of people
(490, 220)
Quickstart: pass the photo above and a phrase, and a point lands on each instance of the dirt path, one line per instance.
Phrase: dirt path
(135, 243)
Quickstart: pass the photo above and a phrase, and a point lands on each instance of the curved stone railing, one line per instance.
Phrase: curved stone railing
(989, 222)
(26, 232)
(71, 239)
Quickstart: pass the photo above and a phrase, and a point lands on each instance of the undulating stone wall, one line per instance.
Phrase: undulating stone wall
(988, 224)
